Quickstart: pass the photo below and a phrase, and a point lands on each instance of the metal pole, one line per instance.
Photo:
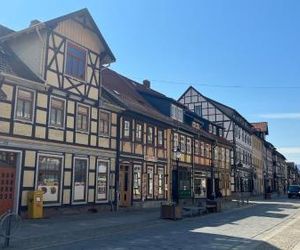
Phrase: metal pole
(177, 166)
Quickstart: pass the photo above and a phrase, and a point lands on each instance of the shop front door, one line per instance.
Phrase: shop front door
(125, 180)
(7, 184)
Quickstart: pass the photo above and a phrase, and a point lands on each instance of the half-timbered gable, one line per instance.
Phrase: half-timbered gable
(42, 123)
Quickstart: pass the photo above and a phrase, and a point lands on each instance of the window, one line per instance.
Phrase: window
(137, 174)
(49, 177)
(138, 132)
(189, 145)
(200, 187)
(202, 149)
(175, 141)
(198, 110)
(182, 143)
(150, 135)
(76, 61)
(83, 114)
(176, 113)
(24, 109)
(160, 135)
(104, 122)
(150, 182)
(102, 180)
(126, 130)
(57, 112)
(197, 151)
(80, 179)
(161, 182)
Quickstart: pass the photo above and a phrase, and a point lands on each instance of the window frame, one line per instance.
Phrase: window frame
(16, 118)
(139, 139)
(66, 60)
(49, 155)
(89, 118)
(152, 135)
(188, 145)
(182, 150)
(128, 137)
(140, 181)
(64, 113)
(109, 124)
(161, 145)
(161, 196)
(107, 181)
(86, 181)
(150, 196)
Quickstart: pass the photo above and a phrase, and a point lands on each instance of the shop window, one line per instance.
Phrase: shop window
(80, 180)
(126, 129)
(83, 114)
(49, 177)
(104, 123)
(76, 61)
(57, 112)
(160, 135)
(161, 183)
(200, 187)
(102, 181)
(150, 182)
(24, 106)
(137, 175)
(138, 132)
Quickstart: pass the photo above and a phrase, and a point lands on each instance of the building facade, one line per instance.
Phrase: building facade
(56, 132)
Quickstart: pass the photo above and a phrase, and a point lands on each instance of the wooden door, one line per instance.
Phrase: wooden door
(125, 178)
(7, 186)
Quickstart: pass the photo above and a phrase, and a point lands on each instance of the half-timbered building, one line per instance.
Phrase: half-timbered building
(57, 133)
(142, 149)
(236, 130)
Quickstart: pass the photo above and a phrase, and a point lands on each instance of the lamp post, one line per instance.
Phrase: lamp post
(177, 156)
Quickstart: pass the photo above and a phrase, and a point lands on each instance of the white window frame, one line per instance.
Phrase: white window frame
(61, 179)
(33, 105)
(50, 110)
(176, 113)
(129, 129)
(86, 181)
(89, 119)
(188, 145)
(107, 184)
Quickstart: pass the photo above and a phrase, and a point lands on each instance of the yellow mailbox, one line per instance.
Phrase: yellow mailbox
(35, 204)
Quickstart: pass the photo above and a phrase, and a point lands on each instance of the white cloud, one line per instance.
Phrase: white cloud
(280, 116)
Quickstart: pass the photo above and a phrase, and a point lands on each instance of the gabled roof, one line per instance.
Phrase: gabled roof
(230, 112)
(53, 22)
(123, 90)
(5, 31)
(11, 64)
(261, 127)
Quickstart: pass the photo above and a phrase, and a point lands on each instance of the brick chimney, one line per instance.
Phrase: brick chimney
(147, 84)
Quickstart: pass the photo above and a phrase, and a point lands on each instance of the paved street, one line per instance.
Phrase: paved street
(271, 224)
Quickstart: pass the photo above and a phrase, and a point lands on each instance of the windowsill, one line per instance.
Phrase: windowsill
(79, 202)
(82, 132)
(23, 120)
(58, 128)
(103, 135)
(75, 78)
(101, 201)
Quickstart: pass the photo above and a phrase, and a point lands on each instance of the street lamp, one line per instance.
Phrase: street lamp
(177, 156)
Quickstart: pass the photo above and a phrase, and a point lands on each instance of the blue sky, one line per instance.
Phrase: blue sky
(245, 54)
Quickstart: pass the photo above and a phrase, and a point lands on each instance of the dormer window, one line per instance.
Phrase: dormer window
(176, 113)
(76, 61)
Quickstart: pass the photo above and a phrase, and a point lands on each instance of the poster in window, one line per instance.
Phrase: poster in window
(80, 177)
(102, 173)
(49, 178)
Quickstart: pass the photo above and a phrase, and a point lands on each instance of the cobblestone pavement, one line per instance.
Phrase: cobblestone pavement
(273, 224)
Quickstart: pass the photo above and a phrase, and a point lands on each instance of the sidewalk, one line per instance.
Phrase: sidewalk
(42, 233)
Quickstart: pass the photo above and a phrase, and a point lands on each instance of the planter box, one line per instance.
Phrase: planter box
(170, 211)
